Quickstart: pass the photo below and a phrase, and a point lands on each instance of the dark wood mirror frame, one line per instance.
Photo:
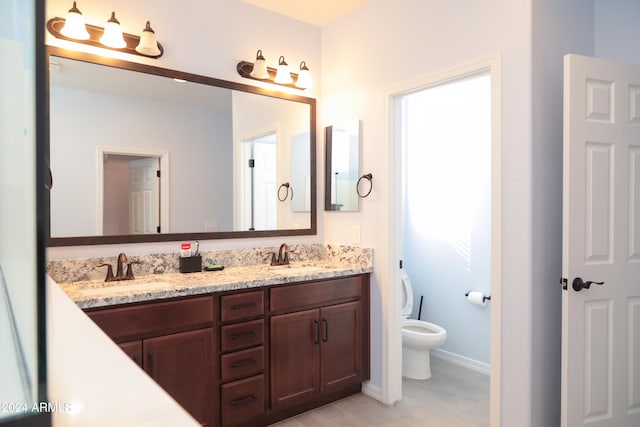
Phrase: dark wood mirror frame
(168, 237)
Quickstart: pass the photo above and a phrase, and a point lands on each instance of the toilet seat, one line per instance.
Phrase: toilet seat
(407, 295)
(421, 334)
(420, 327)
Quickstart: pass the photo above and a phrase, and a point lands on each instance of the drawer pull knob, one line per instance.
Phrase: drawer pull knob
(246, 334)
(243, 306)
(244, 401)
(243, 363)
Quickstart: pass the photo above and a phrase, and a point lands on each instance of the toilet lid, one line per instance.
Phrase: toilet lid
(407, 296)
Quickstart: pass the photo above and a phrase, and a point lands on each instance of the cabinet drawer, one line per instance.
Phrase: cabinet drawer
(241, 363)
(153, 317)
(242, 400)
(315, 294)
(241, 335)
(241, 306)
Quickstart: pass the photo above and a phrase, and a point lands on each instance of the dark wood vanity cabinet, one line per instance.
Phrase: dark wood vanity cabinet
(251, 357)
(319, 342)
(242, 358)
(173, 341)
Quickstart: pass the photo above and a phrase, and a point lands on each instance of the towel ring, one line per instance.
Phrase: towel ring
(369, 178)
(288, 190)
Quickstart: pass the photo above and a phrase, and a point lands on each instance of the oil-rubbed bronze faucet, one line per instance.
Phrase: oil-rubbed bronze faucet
(122, 258)
(283, 255)
(120, 275)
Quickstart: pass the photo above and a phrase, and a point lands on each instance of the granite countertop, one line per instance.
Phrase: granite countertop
(96, 293)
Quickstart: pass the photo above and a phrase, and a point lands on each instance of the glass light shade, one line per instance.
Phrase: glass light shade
(74, 25)
(304, 77)
(148, 44)
(260, 67)
(283, 76)
(112, 36)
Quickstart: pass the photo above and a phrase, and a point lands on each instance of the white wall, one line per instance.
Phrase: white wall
(382, 46)
(78, 129)
(617, 31)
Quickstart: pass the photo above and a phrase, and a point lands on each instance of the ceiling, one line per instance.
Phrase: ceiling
(314, 12)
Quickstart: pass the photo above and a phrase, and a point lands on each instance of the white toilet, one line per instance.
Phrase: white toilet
(418, 338)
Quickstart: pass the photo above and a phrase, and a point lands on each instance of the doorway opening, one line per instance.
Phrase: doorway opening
(260, 211)
(444, 152)
(132, 193)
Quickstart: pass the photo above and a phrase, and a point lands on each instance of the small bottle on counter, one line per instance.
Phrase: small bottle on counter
(185, 250)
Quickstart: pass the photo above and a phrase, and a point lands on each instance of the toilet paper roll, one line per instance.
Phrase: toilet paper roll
(476, 298)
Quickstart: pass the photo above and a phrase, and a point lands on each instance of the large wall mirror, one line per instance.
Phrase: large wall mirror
(140, 154)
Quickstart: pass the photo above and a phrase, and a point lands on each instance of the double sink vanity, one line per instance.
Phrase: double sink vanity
(252, 343)
(247, 345)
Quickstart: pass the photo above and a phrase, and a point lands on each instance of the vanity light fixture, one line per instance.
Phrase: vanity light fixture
(148, 42)
(304, 77)
(281, 76)
(109, 37)
(112, 36)
(260, 67)
(74, 26)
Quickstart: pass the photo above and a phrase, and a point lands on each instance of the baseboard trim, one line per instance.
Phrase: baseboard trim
(466, 362)
(372, 391)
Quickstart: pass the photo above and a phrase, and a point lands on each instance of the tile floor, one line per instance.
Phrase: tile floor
(453, 397)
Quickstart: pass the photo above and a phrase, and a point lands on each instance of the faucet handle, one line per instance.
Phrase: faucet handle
(129, 275)
(271, 255)
(109, 277)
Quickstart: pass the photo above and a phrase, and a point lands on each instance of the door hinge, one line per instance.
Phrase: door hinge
(400, 264)
(158, 173)
(158, 229)
(563, 282)
(252, 163)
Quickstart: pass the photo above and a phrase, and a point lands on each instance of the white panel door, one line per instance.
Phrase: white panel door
(144, 196)
(601, 244)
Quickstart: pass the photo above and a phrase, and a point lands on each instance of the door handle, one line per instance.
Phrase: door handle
(579, 285)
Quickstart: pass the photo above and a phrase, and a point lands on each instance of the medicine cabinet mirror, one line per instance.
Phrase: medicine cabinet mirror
(341, 171)
(140, 153)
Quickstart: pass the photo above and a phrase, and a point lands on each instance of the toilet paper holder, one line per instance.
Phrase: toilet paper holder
(484, 298)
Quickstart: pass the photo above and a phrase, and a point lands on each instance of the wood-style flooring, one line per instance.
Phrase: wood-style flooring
(453, 397)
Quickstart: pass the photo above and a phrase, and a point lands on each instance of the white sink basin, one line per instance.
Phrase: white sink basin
(294, 269)
(125, 287)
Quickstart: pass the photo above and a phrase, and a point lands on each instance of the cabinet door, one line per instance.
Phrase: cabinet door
(133, 349)
(295, 351)
(182, 364)
(341, 349)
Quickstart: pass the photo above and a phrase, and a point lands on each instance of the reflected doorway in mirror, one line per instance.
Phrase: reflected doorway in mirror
(132, 195)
